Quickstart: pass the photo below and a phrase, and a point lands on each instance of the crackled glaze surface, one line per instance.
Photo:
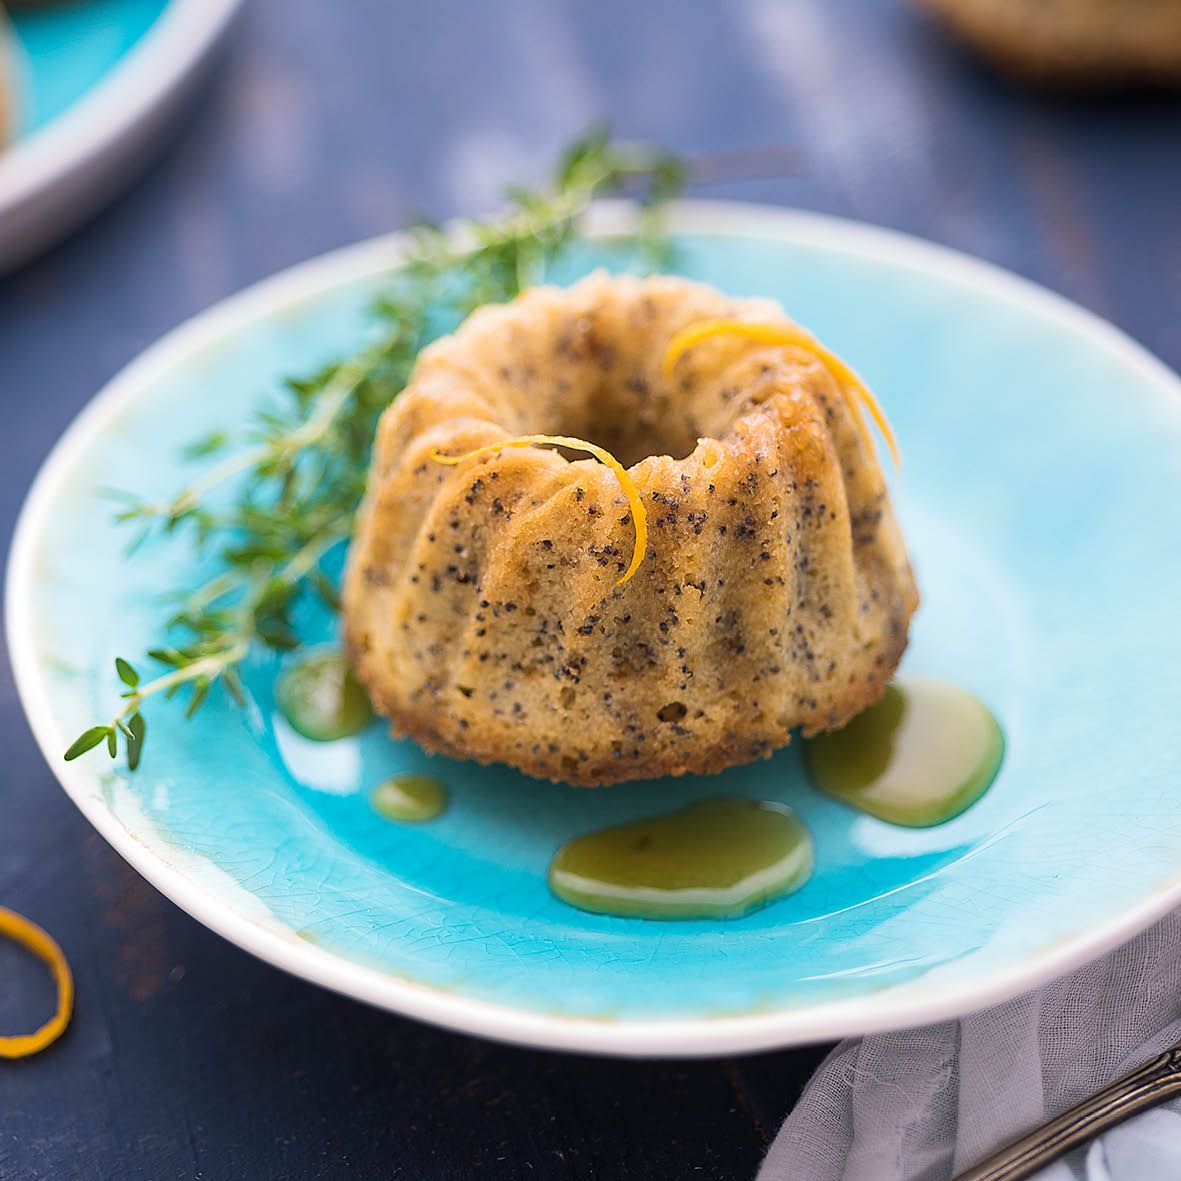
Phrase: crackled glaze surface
(1040, 449)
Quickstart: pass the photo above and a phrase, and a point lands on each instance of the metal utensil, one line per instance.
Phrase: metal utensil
(1144, 1087)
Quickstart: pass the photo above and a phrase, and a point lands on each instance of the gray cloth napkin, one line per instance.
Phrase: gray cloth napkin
(923, 1104)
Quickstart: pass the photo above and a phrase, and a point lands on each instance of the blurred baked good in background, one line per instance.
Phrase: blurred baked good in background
(1072, 42)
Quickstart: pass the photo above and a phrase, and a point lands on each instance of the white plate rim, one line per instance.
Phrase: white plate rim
(162, 62)
(901, 1007)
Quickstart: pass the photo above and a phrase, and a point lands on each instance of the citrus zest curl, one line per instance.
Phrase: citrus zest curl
(635, 504)
(30, 936)
(854, 390)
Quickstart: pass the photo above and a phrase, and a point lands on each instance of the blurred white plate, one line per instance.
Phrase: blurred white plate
(96, 84)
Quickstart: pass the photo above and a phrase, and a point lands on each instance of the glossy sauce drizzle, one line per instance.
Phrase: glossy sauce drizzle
(409, 797)
(925, 752)
(717, 858)
(321, 699)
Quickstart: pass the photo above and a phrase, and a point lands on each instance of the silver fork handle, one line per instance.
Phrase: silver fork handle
(1144, 1087)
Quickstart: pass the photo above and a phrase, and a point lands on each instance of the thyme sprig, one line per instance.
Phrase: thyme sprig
(278, 500)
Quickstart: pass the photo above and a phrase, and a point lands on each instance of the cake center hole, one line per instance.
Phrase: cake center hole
(632, 418)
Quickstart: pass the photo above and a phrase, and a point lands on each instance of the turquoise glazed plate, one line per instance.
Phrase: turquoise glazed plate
(93, 85)
(1042, 474)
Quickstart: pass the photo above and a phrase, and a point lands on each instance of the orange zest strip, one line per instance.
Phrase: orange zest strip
(639, 514)
(20, 930)
(789, 337)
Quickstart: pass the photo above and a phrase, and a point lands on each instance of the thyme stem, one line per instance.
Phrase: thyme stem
(302, 471)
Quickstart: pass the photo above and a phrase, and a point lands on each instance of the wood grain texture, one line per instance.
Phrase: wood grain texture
(327, 123)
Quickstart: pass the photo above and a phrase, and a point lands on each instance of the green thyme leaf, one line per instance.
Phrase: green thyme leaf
(135, 743)
(209, 445)
(127, 674)
(197, 699)
(85, 741)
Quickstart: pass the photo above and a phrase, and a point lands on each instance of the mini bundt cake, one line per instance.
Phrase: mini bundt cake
(1073, 42)
(493, 605)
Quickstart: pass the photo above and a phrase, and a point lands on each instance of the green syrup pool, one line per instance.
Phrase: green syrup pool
(409, 797)
(920, 756)
(321, 699)
(717, 858)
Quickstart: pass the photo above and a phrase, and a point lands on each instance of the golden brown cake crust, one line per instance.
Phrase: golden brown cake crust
(481, 607)
(1072, 42)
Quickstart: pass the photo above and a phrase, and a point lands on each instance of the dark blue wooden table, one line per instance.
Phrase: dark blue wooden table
(328, 123)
